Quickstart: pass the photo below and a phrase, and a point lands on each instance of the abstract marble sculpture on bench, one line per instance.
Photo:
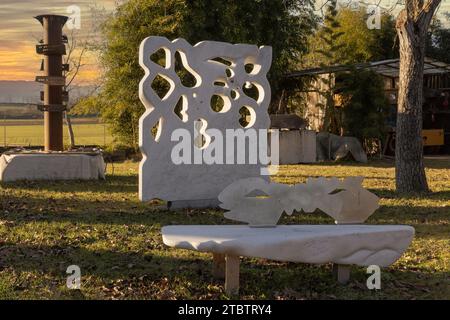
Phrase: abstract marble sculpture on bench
(342, 244)
(346, 201)
(218, 71)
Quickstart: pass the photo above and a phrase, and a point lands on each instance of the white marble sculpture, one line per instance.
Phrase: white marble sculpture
(342, 245)
(220, 69)
(344, 200)
(361, 245)
(261, 204)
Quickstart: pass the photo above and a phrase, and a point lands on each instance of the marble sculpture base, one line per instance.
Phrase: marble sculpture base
(51, 166)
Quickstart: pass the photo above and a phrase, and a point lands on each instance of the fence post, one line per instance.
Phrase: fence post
(4, 130)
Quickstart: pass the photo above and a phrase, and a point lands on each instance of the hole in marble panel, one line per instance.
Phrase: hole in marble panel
(180, 109)
(201, 140)
(249, 67)
(222, 61)
(159, 57)
(161, 86)
(156, 130)
(220, 83)
(186, 77)
(247, 116)
(220, 103)
(234, 94)
(251, 90)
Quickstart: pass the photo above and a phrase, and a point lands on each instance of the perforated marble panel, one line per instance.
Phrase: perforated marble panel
(196, 77)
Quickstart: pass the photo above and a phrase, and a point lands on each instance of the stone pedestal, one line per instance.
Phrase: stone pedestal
(297, 146)
(51, 166)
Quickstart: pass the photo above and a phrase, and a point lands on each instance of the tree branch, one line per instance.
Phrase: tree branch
(426, 14)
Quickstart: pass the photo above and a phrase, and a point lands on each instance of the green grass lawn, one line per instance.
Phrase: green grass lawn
(33, 134)
(102, 227)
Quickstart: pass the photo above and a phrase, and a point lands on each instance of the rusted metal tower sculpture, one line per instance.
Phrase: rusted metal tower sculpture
(53, 96)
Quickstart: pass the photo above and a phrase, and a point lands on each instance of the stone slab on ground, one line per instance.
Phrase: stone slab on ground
(53, 166)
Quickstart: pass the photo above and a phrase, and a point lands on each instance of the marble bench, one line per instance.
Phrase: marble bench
(342, 245)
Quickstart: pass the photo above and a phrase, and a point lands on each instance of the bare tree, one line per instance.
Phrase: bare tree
(412, 26)
(76, 52)
(78, 47)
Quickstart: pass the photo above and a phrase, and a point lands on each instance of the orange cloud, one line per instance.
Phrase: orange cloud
(19, 33)
(18, 63)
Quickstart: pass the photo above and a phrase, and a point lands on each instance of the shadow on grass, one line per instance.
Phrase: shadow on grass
(304, 177)
(108, 264)
(380, 163)
(154, 275)
(17, 210)
(373, 163)
(100, 209)
(116, 183)
(391, 194)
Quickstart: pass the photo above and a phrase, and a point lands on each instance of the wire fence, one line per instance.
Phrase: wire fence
(30, 132)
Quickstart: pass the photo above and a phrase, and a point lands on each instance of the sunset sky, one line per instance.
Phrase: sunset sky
(19, 33)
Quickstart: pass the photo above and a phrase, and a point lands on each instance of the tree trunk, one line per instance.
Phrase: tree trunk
(69, 128)
(281, 103)
(409, 167)
(330, 117)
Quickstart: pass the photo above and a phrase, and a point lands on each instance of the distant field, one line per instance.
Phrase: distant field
(31, 133)
(9, 111)
(23, 125)
(40, 122)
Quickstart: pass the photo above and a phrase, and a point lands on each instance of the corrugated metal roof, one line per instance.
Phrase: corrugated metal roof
(389, 68)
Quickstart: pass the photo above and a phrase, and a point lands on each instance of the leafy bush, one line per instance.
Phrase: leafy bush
(364, 104)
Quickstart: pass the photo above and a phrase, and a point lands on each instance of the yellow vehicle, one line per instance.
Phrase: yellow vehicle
(433, 137)
(433, 140)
